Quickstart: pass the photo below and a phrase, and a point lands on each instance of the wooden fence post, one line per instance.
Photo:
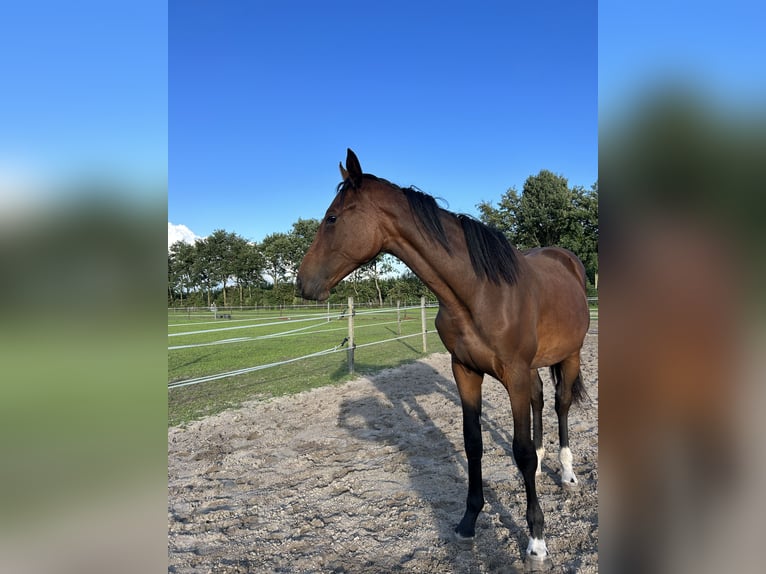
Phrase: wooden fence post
(351, 335)
(398, 319)
(423, 323)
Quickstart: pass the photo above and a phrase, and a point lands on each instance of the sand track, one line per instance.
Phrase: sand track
(370, 476)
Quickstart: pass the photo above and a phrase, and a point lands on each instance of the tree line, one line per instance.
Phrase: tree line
(227, 269)
(549, 212)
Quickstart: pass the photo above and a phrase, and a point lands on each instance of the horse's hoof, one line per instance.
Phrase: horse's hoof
(537, 556)
(463, 540)
(570, 484)
(534, 563)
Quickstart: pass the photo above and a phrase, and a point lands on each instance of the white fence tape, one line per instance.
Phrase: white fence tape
(337, 348)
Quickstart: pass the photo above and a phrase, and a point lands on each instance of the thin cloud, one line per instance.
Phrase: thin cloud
(180, 233)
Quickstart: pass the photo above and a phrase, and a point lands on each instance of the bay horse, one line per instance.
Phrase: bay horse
(501, 312)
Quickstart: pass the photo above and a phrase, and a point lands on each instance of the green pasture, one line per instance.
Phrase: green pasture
(200, 345)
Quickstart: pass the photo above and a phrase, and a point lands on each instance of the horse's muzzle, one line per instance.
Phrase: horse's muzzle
(310, 290)
(299, 287)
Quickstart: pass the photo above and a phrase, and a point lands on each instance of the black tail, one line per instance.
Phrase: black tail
(578, 388)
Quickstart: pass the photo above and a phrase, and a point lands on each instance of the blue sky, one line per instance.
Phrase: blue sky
(463, 100)
(259, 100)
(716, 49)
(84, 93)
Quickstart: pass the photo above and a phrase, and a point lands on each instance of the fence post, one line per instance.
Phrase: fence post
(328, 310)
(423, 323)
(351, 335)
(398, 319)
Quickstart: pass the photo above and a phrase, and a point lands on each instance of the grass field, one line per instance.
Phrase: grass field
(201, 345)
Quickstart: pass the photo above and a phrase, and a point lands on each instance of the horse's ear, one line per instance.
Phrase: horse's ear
(353, 169)
(343, 172)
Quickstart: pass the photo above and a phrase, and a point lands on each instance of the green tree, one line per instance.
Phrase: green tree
(503, 217)
(299, 240)
(373, 271)
(583, 235)
(276, 249)
(203, 268)
(248, 266)
(545, 212)
(408, 289)
(221, 249)
(304, 231)
(549, 212)
(181, 268)
(174, 283)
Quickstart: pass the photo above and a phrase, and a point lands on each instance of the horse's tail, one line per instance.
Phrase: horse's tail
(578, 388)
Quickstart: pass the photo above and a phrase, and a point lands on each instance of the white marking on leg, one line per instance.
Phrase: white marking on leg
(537, 548)
(540, 457)
(567, 472)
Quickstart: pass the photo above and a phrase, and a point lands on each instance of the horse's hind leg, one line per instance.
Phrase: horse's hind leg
(520, 392)
(537, 417)
(568, 387)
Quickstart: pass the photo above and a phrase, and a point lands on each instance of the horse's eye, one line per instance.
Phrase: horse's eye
(331, 219)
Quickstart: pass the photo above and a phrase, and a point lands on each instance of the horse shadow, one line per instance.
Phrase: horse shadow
(435, 461)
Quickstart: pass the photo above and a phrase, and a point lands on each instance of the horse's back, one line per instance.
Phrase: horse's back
(556, 258)
(563, 316)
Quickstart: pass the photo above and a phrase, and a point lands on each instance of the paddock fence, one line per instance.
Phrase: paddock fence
(348, 312)
(310, 314)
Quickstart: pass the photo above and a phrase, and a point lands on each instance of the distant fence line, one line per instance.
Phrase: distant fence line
(408, 303)
(313, 318)
(301, 307)
(349, 311)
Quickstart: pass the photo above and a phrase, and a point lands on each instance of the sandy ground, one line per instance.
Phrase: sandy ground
(370, 477)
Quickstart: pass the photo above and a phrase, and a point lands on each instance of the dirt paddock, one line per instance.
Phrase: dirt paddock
(370, 477)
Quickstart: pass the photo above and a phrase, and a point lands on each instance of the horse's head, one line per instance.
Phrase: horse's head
(349, 236)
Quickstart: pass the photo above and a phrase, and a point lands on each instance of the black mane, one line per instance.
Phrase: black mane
(492, 256)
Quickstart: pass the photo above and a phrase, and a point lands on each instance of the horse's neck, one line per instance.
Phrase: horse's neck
(444, 273)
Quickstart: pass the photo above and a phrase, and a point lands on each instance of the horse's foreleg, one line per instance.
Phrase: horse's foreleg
(469, 387)
(537, 417)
